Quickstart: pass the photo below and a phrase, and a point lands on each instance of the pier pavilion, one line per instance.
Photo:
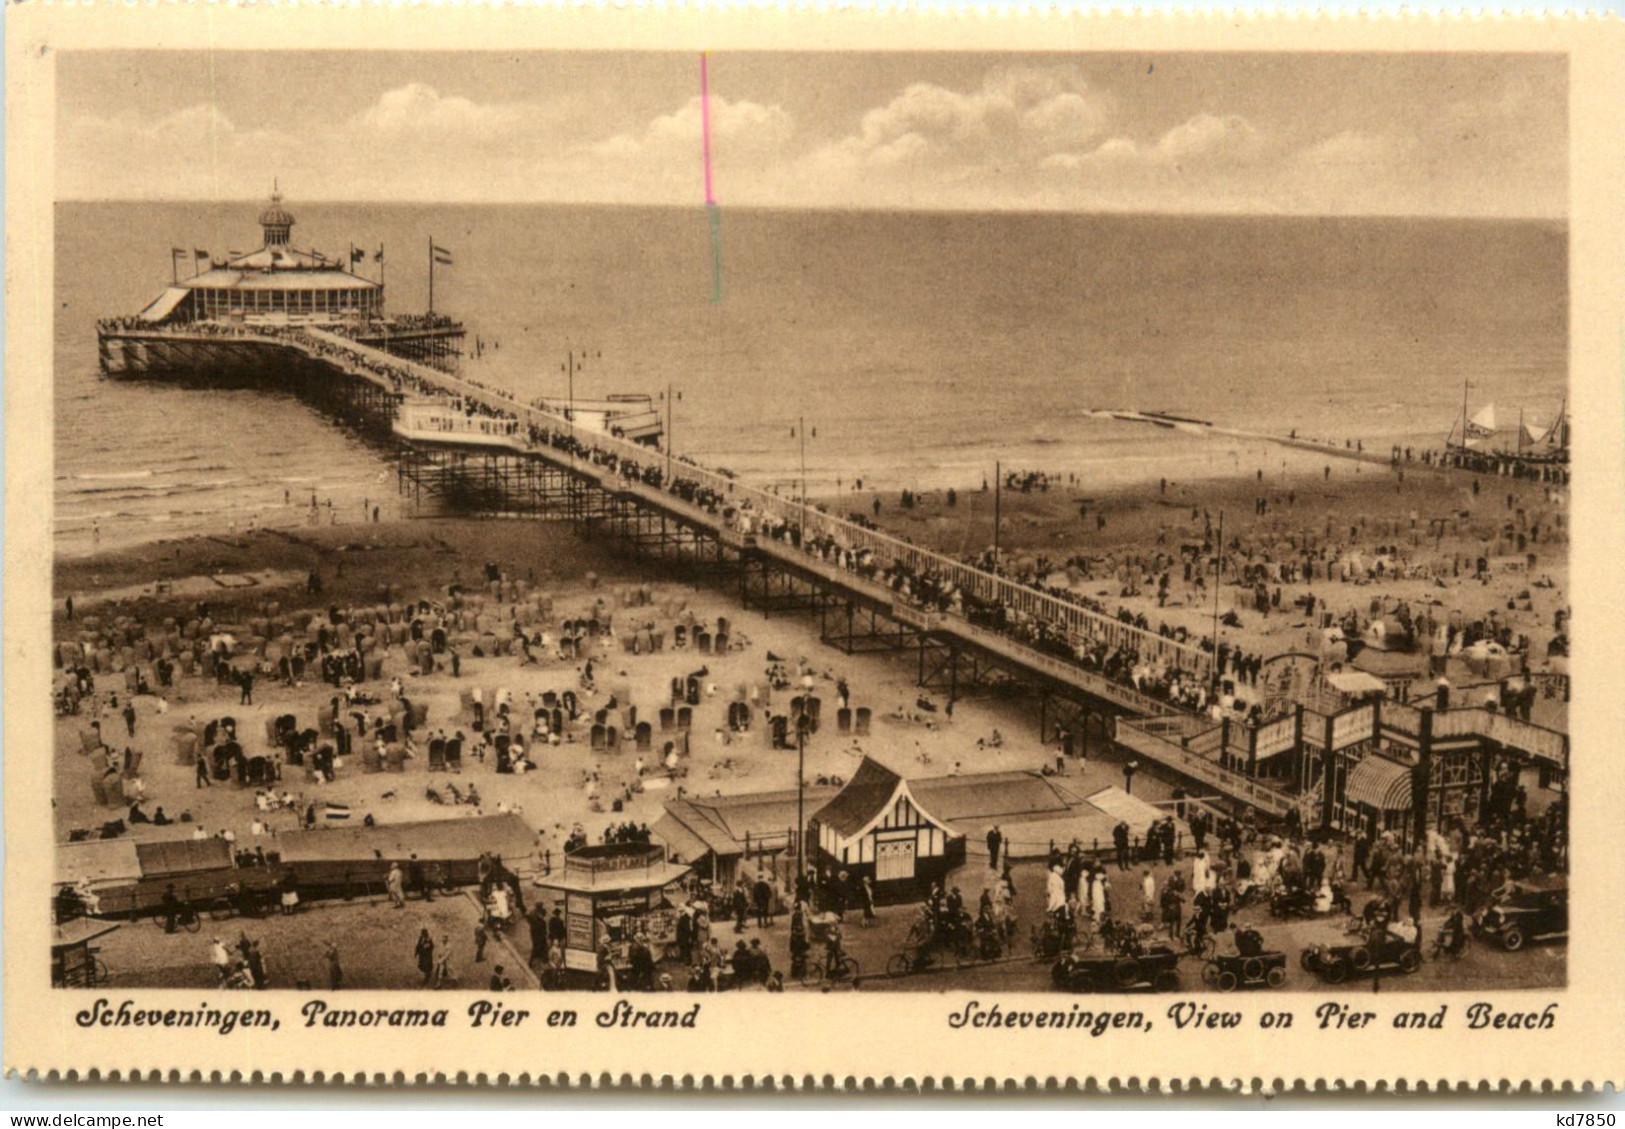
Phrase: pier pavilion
(190, 326)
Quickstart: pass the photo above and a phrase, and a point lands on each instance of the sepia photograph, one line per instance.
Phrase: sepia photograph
(1088, 522)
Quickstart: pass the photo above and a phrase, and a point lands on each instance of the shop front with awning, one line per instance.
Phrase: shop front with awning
(1379, 793)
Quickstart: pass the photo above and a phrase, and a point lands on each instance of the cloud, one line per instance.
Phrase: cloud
(736, 127)
(1356, 151)
(1210, 141)
(1017, 117)
(664, 161)
(417, 142)
(197, 146)
(416, 110)
(1019, 137)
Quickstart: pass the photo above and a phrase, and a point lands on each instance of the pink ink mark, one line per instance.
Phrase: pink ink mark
(705, 126)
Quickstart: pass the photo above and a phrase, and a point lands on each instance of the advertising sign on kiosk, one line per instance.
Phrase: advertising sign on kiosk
(612, 892)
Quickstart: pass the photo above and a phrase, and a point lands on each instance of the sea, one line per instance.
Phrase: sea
(891, 349)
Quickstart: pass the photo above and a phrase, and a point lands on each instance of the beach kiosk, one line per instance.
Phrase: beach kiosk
(74, 963)
(875, 827)
(612, 891)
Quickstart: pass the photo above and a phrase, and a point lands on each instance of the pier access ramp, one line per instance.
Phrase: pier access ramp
(165, 304)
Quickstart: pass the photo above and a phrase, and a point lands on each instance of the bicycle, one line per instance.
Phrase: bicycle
(1199, 944)
(920, 933)
(1438, 949)
(91, 972)
(841, 970)
(186, 917)
(912, 958)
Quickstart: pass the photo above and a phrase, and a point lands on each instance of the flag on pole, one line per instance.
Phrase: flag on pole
(338, 811)
(357, 255)
(379, 257)
(200, 255)
(441, 255)
(177, 252)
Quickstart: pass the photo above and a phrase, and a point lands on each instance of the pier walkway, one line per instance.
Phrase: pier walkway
(1033, 633)
(850, 558)
(799, 535)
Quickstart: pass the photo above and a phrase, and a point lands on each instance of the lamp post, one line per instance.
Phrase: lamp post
(575, 360)
(801, 801)
(801, 430)
(1218, 576)
(998, 490)
(670, 425)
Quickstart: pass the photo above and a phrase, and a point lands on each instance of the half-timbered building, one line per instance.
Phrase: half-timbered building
(875, 828)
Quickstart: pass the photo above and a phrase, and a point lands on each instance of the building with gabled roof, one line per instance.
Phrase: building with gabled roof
(875, 827)
(715, 834)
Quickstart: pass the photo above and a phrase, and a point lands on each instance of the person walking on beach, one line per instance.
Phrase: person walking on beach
(129, 717)
(423, 953)
(1120, 838)
(443, 977)
(396, 885)
(762, 898)
(335, 970)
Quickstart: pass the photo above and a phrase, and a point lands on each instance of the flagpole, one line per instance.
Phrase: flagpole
(431, 274)
(1464, 387)
(1218, 578)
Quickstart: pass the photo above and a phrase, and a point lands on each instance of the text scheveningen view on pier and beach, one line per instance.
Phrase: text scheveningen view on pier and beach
(1058, 532)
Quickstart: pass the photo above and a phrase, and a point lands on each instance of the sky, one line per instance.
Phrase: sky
(1295, 134)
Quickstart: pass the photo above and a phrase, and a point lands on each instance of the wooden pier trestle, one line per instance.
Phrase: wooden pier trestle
(492, 454)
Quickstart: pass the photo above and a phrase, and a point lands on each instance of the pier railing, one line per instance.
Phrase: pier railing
(1153, 740)
(1021, 601)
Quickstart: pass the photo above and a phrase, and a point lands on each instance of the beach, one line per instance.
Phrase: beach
(243, 649)
(1429, 518)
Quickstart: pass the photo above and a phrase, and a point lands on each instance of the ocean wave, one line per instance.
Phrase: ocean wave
(111, 475)
(128, 493)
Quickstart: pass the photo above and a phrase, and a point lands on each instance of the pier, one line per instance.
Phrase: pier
(476, 449)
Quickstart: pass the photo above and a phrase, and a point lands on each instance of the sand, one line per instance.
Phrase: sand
(412, 559)
(419, 559)
(1432, 516)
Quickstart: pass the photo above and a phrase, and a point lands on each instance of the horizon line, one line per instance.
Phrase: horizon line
(941, 210)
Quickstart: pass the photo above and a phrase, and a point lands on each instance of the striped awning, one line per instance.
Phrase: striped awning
(1377, 782)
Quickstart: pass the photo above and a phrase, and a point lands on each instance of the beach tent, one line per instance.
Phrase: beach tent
(1387, 634)
(1333, 644)
(172, 857)
(1355, 684)
(99, 860)
(441, 840)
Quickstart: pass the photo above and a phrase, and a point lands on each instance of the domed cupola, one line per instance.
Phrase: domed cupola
(277, 222)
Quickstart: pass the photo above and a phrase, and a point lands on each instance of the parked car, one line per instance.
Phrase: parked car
(1156, 969)
(1336, 963)
(1524, 916)
(1229, 971)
